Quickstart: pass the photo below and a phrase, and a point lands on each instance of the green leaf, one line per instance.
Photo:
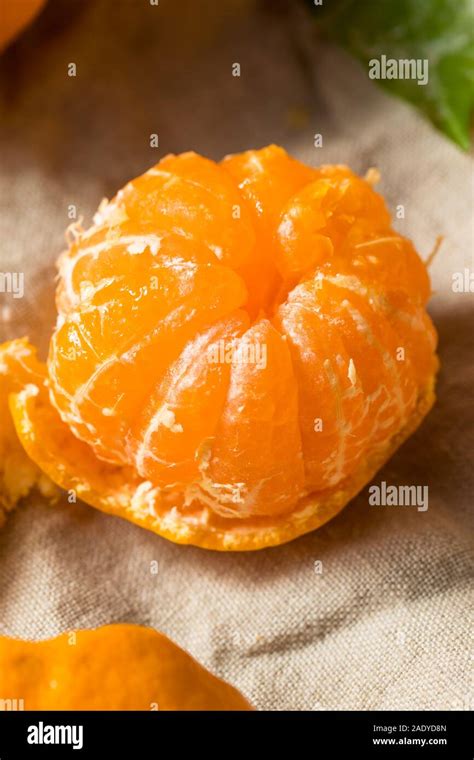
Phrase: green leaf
(440, 31)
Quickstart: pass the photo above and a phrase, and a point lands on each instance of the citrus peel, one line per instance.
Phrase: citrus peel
(18, 472)
(115, 667)
(15, 17)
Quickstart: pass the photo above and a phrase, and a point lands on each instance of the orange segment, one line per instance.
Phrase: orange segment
(184, 410)
(256, 464)
(389, 262)
(417, 336)
(194, 197)
(326, 214)
(333, 418)
(266, 179)
(105, 354)
(386, 375)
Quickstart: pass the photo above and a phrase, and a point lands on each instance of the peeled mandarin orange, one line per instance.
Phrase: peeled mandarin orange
(116, 667)
(239, 347)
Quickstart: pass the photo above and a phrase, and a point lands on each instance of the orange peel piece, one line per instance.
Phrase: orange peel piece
(115, 667)
(116, 490)
(15, 17)
(18, 472)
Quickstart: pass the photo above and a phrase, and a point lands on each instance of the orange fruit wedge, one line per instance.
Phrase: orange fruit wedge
(115, 667)
(239, 348)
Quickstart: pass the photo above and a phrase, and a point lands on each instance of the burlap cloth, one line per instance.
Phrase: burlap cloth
(385, 625)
